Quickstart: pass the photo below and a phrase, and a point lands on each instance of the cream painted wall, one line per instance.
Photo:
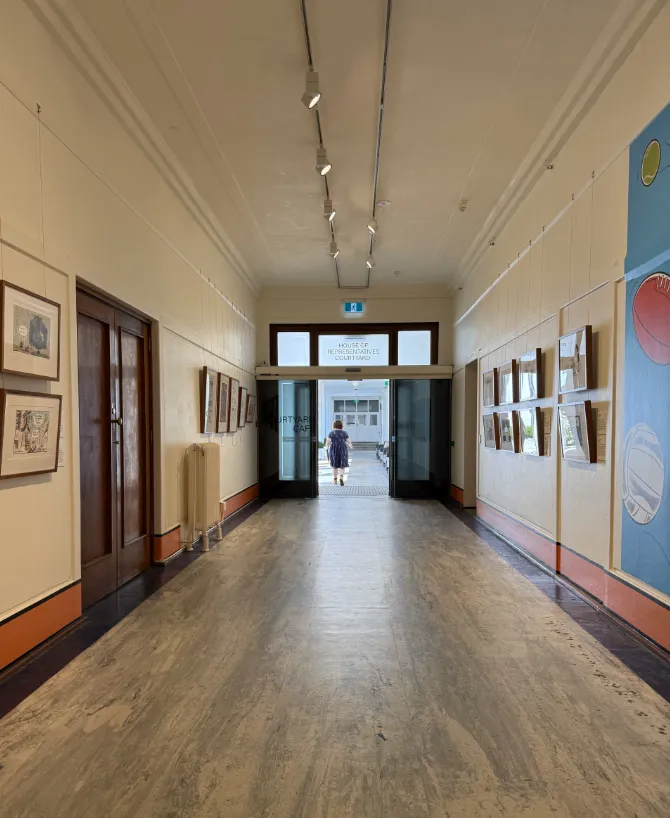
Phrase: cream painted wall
(576, 220)
(315, 305)
(80, 197)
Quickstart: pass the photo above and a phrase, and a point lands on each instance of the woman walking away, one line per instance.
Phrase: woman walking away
(337, 444)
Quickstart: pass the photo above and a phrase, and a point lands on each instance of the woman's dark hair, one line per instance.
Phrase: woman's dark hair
(338, 424)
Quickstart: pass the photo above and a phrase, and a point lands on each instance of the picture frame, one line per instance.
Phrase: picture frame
(491, 431)
(508, 383)
(490, 388)
(508, 425)
(577, 432)
(531, 432)
(234, 405)
(30, 333)
(251, 409)
(575, 361)
(531, 377)
(209, 394)
(29, 433)
(243, 408)
(223, 411)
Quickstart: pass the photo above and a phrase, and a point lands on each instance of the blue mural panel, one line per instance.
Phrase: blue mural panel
(646, 504)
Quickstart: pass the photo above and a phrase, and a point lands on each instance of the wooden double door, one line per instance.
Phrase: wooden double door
(115, 445)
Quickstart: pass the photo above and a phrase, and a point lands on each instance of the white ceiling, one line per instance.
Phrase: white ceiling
(471, 85)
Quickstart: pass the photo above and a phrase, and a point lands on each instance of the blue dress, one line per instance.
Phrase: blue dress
(338, 452)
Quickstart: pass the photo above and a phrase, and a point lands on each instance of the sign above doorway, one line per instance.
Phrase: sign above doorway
(354, 307)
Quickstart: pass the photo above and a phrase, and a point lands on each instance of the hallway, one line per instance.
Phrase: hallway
(394, 665)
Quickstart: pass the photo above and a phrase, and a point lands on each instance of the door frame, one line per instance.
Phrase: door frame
(92, 291)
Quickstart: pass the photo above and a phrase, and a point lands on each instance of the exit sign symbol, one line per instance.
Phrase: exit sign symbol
(353, 307)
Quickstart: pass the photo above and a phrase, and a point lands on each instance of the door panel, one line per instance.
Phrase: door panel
(114, 419)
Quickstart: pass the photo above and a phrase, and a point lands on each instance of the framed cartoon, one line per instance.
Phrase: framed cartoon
(508, 424)
(29, 432)
(30, 332)
(251, 408)
(243, 407)
(575, 361)
(223, 416)
(531, 433)
(209, 392)
(508, 391)
(234, 405)
(491, 431)
(531, 381)
(490, 388)
(575, 422)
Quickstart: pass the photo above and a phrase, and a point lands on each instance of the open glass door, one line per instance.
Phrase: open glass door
(420, 438)
(287, 443)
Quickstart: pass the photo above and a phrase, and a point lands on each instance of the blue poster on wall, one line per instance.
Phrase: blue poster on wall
(645, 547)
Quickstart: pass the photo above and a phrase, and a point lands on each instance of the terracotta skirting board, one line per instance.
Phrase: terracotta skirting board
(456, 493)
(27, 629)
(239, 500)
(647, 615)
(167, 545)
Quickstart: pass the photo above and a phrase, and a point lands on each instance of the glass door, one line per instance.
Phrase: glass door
(287, 454)
(420, 438)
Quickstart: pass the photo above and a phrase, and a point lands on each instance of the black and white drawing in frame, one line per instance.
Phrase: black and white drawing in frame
(243, 407)
(508, 423)
(575, 361)
(251, 409)
(575, 422)
(210, 395)
(531, 432)
(234, 404)
(30, 330)
(223, 421)
(491, 432)
(508, 391)
(490, 388)
(29, 433)
(530, 376)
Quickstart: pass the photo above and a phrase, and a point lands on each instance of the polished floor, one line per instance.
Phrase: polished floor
(361, 658)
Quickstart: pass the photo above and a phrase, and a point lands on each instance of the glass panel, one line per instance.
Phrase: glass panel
(351, 405)
(374, 420)
(362, 406)
(338, 405)
(351, 420)
(362, 420)
(374, 405)
(414, 347)
(353, 350)
(294, 430)
(338, 417)
(293, 348)
(413, 430)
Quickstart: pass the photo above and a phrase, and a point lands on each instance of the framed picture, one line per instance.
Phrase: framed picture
(243, 407)
(209, 391)
(490, 388)
(223, 417)
(491, 431)
(30, 330)
(531, 433)
(251, 408)
(575, 421)
(531, 381)
(508, 424)
(234, 405)
(575, 361)
(29, 432)
(508, 390)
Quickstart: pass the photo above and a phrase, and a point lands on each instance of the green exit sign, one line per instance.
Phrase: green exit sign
(354, 307)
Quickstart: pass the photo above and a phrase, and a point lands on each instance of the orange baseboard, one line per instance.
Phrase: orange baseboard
(646, 614)
(28, 629)
(167, 545)
(456, 493)
(239, 500)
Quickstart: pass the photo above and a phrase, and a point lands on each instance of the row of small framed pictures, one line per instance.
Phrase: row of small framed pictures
(522, 380)
(520, 431)
(225, 405)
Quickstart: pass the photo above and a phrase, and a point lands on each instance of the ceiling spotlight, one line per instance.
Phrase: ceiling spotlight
(373, 226)
(312, 94)
(383, 203)
(322, 163)
(334, 250)
(328, 211)
(370, 262)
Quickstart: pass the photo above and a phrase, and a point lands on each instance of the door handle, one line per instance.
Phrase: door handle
(118, 421)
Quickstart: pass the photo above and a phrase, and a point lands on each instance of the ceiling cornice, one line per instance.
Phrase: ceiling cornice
(85, 51)
(628, 24)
